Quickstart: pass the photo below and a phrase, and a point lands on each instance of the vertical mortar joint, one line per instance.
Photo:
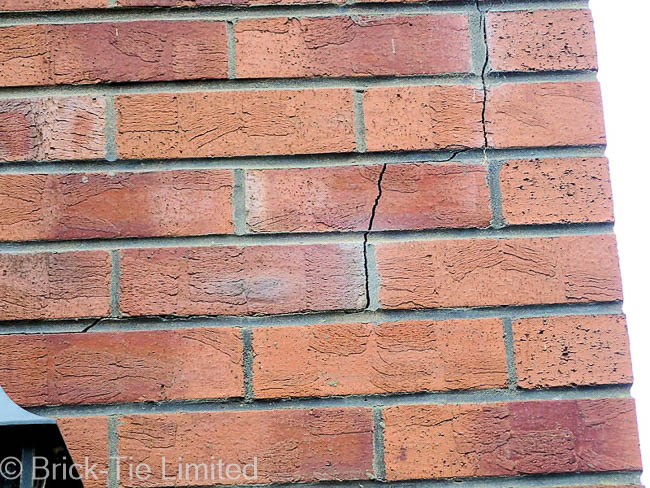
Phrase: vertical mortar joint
(484, 71)
(367, 233)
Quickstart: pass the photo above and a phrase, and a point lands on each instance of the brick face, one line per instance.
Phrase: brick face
(545, 114)
(349, 359)
(93, 368)
(55, 286)
(492, 272)
(414, 196)
(47, 129)
(289, 445)
(113, 52)
(505, 439)
(346, 46)
(25, 5)
(550, 191)
(87, 438)
(423, 117)
(575, 350)
(101, 205)
(208, 124)
(541, 40)
(242, 281)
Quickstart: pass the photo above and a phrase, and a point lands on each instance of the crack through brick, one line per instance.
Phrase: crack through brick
(367, 233)
(484, 69)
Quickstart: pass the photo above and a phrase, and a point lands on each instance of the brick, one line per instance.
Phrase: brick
(213, 3)
(545, 114)
(551, 191)
(423, 117)
(346, 46)
(242, 281)
(492, 272)
(107, 205)
(54, 285)
(87, 441)
(414, 196)
(240, 123)
(542, 40)
(25, 5)
(199, 364)
(359, 359)
(507, 439)
(47, 129)
(289, 445)
(113, 52)
(574, 350)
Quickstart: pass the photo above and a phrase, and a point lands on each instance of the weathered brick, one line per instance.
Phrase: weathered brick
(87, 441)
(94, 368)
(25, 5)
(96, 205)
(545, 114)
(183, 125)
(47, 129)
(574, 350)
(346, 46)
(491, 272)
(549, 191)
(54, 286)
(242, 281)
(506, 439)
(110, 52)
(542, 40)
(413, 196)
(357, 359)
(213, 3)
(423, 117)
(289, 445)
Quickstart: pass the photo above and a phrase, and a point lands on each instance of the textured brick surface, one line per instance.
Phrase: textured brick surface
(290, 445)
(423, 117)
(504, 439)
(25, 5)
(235, 123)
(541, 40)
(108, 52)
(346, 46)
(47, 129)
(545, 114)
(87, 439)
(115, 367)
(483, 272)
(242, 281)
(100, 205)
(348, 359)
(575, 350)
(413, 196)
(550, 191)
(54, 286)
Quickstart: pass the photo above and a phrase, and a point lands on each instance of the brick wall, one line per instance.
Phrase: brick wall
(360, 243)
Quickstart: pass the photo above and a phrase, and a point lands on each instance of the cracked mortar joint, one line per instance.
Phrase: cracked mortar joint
(367, 234)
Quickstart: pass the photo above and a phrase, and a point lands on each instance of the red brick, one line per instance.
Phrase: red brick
(96, 205)
(414, 196)
(289, 445)
(24, 5)
(54, 286)
(164, 125)
(423, 117)
(545, 114)
(94, 368)
(491, 272)
(506, 439)
(542, 40)
(87, 441)
(211, 3)
(549, 191)
(47, 129)
(357, 359)
(110, 52)
(346, 46)
(242, 281)
(569, 351)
